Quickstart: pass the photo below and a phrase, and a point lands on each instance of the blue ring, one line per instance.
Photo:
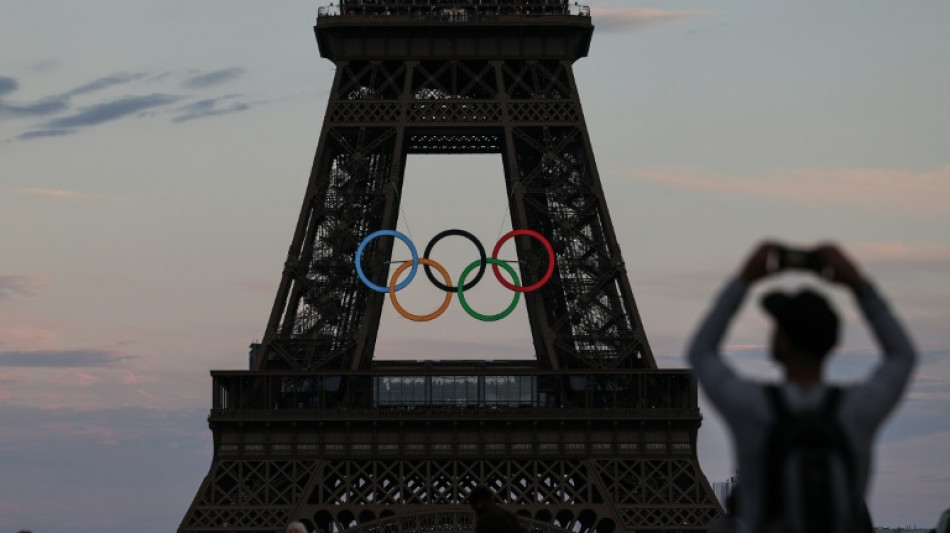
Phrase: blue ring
(401, 237)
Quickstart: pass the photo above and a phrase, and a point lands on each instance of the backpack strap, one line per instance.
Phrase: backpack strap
(778, 407)
(829, 404)
(829, 409)
(777, 400)
(861, 517)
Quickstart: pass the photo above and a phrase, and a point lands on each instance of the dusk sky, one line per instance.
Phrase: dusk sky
(154, 154)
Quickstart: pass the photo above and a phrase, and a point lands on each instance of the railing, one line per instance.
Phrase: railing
(479, 392)
(453, 11)
(443, 521)
(395, 445)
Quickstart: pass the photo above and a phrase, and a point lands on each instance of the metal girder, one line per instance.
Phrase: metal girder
(599, 495)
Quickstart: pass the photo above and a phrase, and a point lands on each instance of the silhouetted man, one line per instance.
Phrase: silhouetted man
(806, 330)
(489, 518)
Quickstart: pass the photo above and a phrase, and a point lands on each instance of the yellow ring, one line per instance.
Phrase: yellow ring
(407, 314)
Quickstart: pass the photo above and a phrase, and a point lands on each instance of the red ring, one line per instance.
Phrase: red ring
(539, 237)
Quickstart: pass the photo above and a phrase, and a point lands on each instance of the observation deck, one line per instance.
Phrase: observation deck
(434, 409)
(540, 29)
(479, 391)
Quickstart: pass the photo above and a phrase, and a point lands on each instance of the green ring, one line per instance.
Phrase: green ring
(476, 314)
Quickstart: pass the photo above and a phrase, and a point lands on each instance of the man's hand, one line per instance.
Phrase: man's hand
(843, 270)
(756, 266)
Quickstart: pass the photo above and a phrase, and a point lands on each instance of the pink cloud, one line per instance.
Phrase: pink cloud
(24, 329)
(871, 189)
(76, 379)
(19, 285)
(56, 193)
(34, 336)
(904, 253)
(47, 401)
(146, 394)
(637, 18)
(85, 380)
(133, 379)
(746, 346)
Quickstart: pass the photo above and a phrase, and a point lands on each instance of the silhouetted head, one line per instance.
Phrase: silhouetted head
(297, 527)
(481, 498)
(806, 327)
(943, 525)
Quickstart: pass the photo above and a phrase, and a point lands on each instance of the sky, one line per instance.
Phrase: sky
(153, 156)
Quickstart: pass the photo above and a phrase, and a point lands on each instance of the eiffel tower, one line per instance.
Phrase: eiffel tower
(588, 436)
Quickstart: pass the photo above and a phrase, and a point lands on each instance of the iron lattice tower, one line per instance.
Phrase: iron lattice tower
(588, 437)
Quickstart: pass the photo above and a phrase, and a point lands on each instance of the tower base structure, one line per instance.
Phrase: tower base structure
(398, 448)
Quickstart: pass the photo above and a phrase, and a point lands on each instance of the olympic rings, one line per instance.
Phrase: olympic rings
(547, 245)
(481, 260)
(401, 237)
(472, 312)
(447, 287)
(445, 303)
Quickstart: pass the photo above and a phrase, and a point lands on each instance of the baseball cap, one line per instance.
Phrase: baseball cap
(806, 318)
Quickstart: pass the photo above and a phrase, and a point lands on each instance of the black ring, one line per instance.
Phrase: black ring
(481, 253)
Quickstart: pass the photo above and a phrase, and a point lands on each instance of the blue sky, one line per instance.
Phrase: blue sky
(153, 156)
